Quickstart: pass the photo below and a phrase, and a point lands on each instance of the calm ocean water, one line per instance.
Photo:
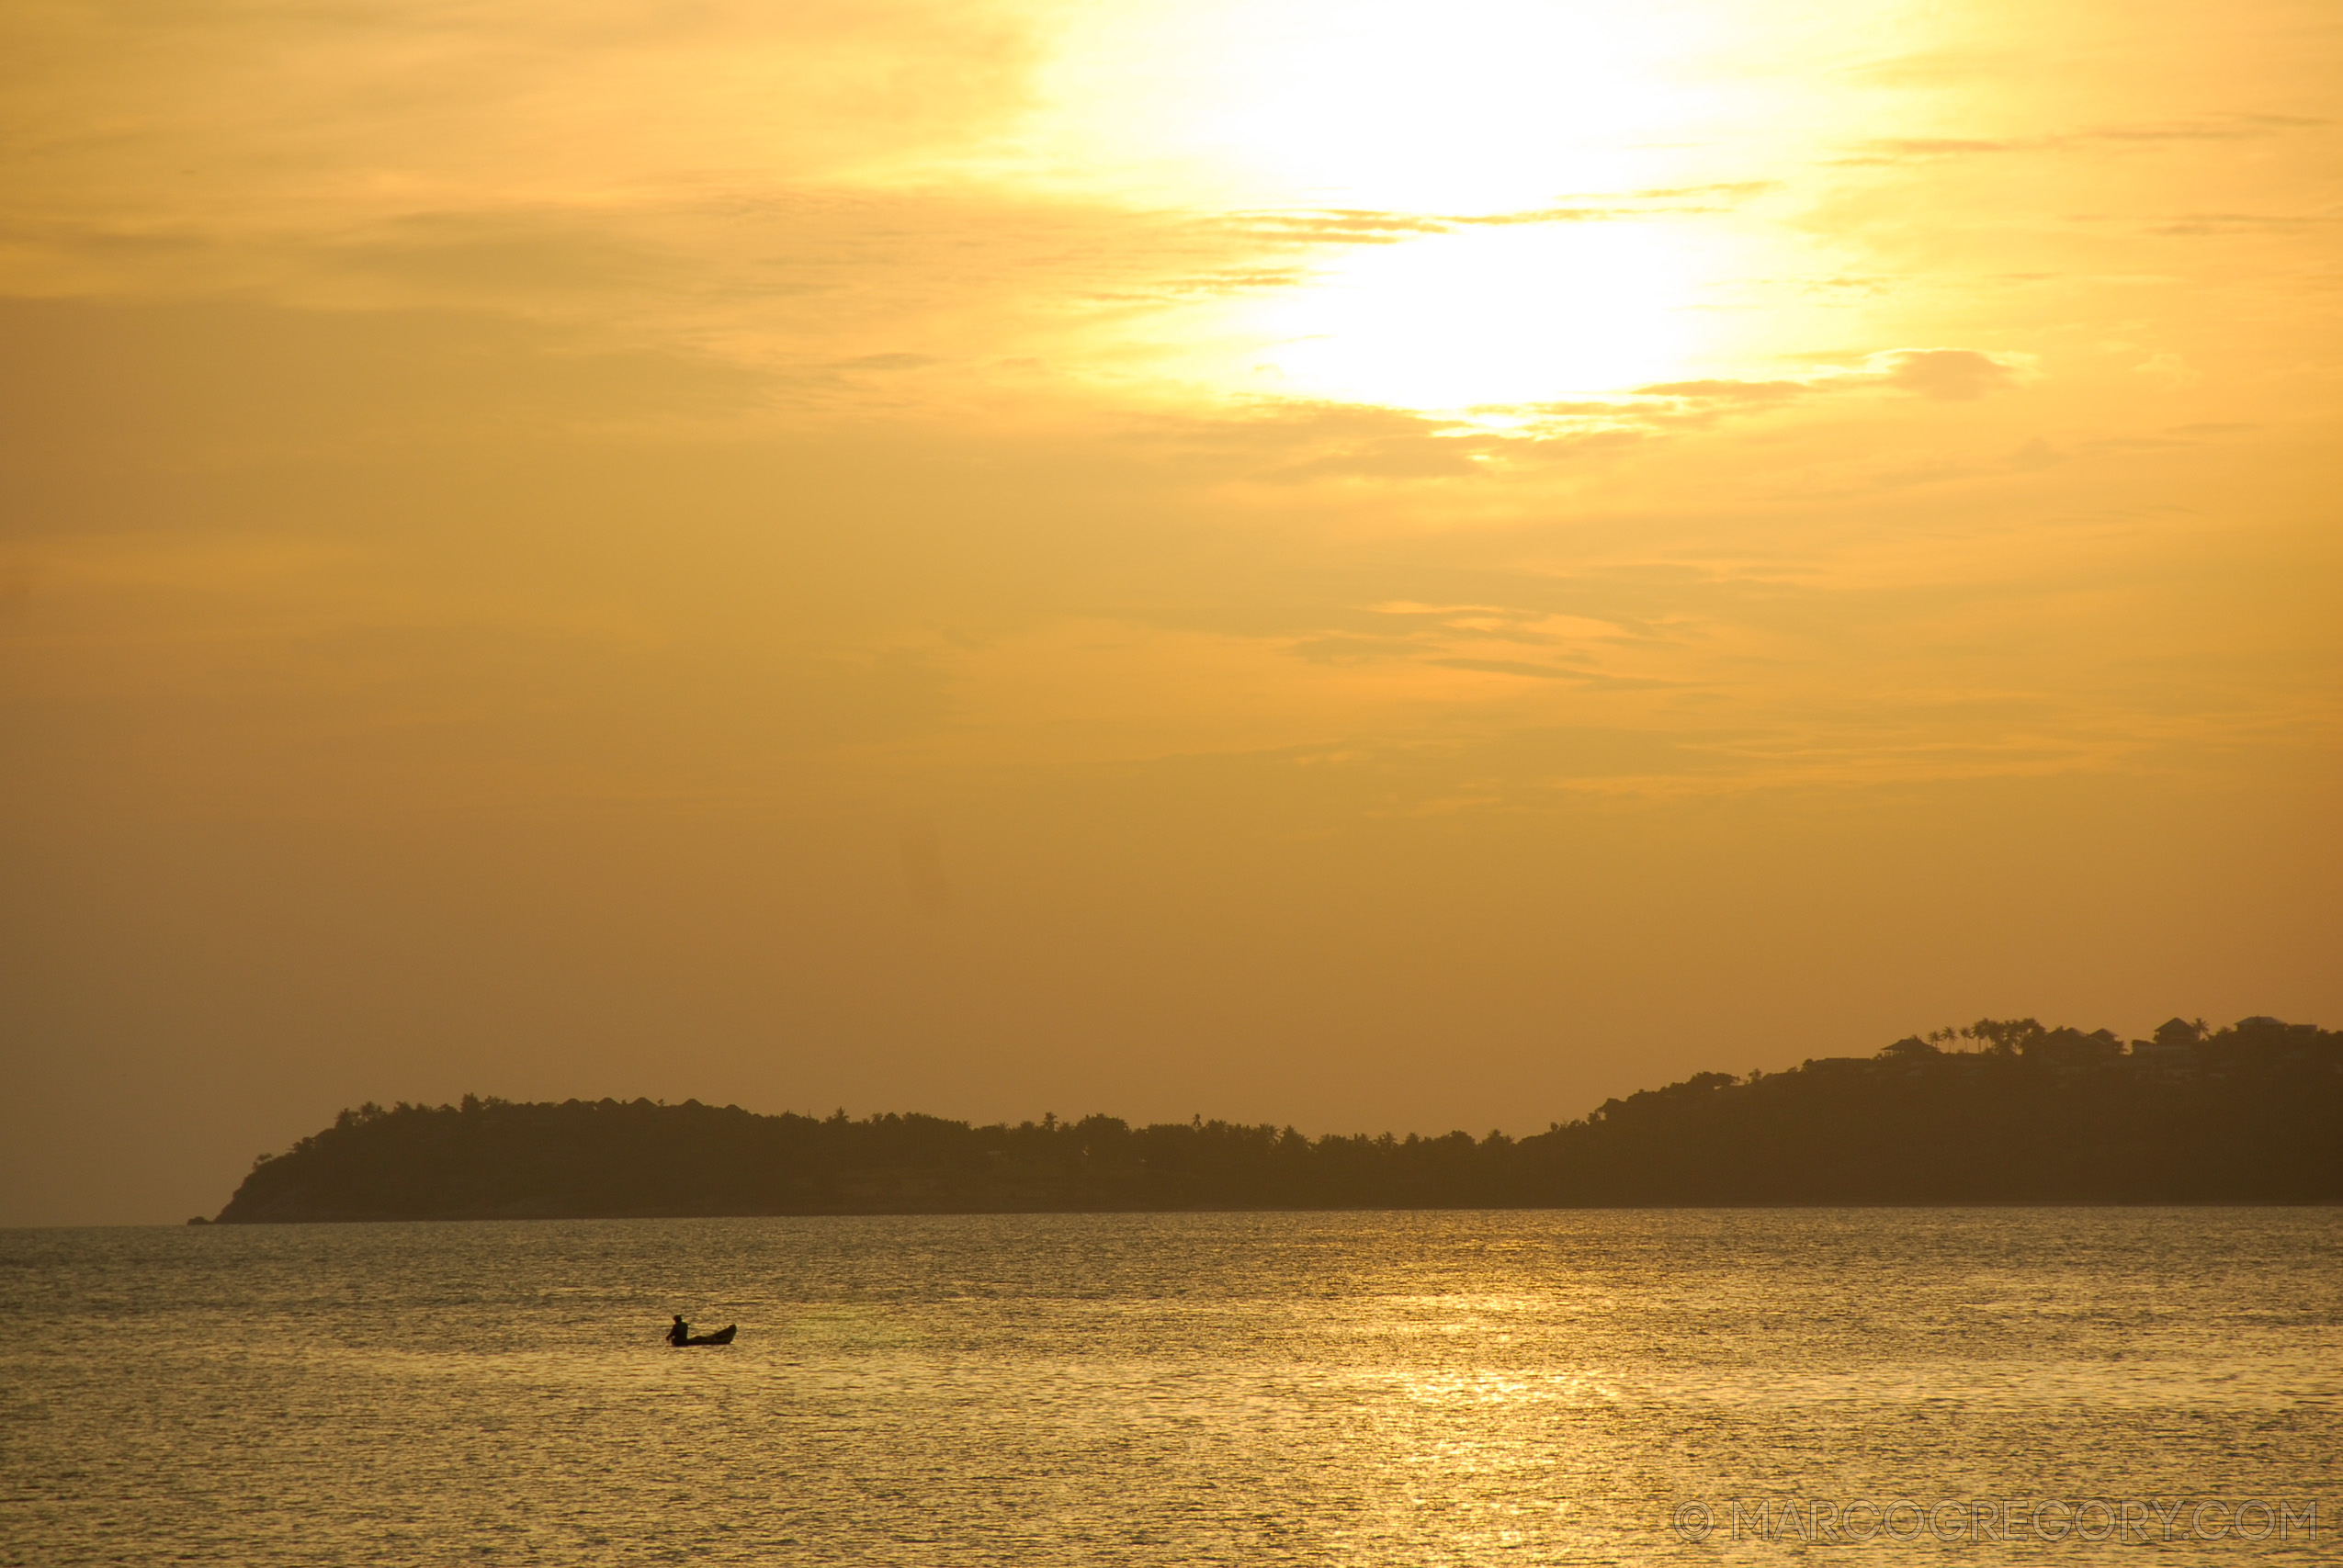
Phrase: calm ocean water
(1370, 1389)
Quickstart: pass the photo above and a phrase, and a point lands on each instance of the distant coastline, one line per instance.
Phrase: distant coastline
(2003, 1111)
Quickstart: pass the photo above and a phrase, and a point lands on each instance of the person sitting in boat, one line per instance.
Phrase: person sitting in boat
(682, 1333)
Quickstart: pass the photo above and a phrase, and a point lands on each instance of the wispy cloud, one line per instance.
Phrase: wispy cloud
(1364, 226)
(2226, 128)
(1949, 375)
(2244, 223)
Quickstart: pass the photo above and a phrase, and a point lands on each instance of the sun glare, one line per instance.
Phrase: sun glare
(1461, 126)
(1505, 315)
(1479, 106)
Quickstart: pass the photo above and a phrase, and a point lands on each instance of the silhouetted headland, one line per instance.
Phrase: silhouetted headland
(2004, 1111)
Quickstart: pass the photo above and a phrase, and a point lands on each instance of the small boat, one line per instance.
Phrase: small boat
(721, 1337)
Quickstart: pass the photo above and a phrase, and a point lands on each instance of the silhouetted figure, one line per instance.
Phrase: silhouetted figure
(682, 1333)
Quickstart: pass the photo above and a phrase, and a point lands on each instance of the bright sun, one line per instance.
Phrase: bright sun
(1467, 118)
(1500, 315)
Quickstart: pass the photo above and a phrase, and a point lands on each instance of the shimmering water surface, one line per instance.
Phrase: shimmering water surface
(1342, 1388)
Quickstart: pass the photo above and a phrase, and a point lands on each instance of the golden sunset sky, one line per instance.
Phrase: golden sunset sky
(1360, 565)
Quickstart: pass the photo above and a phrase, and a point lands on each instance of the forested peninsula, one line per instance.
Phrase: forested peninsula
(2002, 1111)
